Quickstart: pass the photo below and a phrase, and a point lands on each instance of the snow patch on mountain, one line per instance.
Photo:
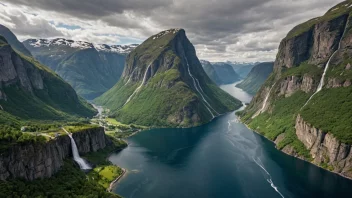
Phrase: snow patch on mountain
(163, 33)
(122, 49)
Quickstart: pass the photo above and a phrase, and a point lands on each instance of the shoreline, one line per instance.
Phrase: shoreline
(112, 184)
(336, 173)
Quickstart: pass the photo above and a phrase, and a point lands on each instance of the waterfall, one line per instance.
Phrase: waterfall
(82, 164)
(264, 102)
(138, 88)
(321, 83)
(207, 105)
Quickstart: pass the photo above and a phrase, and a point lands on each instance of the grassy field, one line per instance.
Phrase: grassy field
(104, 175)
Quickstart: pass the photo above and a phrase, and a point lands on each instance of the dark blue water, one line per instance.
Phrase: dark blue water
(220, 159)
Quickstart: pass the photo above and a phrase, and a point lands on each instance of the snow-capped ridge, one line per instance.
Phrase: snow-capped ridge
(123, 49)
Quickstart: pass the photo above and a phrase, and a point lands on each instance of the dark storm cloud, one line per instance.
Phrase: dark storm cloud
(92, 8)
(244, 25)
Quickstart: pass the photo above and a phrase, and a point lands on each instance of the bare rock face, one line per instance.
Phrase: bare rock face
(33, 161)
(291, 84)
(326, 37)
(14, 70)
(293, 51)
(334, 83)
(325, 148)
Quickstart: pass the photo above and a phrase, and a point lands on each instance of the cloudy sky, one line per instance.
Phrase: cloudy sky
(221, 30)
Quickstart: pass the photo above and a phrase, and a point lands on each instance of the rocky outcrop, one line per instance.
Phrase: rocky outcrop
(14, 70)
(291, 84)
(334, 83)
(41, 160)
(324, 148)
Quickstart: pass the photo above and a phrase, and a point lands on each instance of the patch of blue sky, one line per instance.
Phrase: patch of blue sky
(66, 26)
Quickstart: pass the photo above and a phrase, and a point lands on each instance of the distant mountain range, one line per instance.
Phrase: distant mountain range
(220, 73)
(91, 69)
(164, 84)
(242, 68)
(256, 77)
(32, 91)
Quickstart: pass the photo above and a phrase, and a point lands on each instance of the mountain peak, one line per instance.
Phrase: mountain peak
(165, 32)
(165, 72)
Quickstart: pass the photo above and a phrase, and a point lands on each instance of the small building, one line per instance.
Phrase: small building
(24, 128)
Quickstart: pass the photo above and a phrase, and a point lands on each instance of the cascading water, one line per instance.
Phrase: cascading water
(129, 79)
(321, 83)
(82, 164)
(264, 102)
(138, 88)
(207, 105)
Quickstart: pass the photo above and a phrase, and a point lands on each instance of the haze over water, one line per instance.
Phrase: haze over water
(220, 159)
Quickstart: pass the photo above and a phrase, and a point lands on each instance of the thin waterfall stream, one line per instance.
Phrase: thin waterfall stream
(80, 161)
(321, 83)
(264, 102)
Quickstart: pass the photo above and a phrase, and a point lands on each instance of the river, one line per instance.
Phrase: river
(219, 159)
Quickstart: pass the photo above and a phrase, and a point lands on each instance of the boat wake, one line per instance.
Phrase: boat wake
(269, 180)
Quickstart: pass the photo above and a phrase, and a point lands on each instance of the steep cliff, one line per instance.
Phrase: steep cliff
(41, 160)
(305, 104)
(325, 149)
(30, 90)
(164, 84)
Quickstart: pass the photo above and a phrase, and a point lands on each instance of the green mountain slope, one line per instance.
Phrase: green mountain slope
(29, 90)
(13, 41)
(89, 69)
(164, 84)
(256, 77)
(305, 104)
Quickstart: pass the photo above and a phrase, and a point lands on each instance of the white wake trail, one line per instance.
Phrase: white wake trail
(270, 179)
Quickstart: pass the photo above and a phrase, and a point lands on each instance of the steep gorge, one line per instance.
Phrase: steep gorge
(320, 131)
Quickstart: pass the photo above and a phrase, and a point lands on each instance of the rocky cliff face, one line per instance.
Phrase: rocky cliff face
(291, 84)
(324, 148)
(33, 161)
(31, 90)
(321, 43)
(14, 70)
